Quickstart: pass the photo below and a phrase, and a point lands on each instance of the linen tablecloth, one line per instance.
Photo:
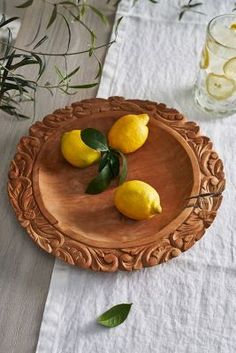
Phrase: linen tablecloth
(187, 305)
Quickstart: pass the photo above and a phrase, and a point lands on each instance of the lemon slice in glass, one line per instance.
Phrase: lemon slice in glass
(219, 86)
(204, 62)
(230, 68)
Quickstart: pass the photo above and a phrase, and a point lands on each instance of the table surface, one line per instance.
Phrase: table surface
(25, 270)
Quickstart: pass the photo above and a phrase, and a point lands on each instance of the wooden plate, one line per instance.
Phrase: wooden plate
(86, 230)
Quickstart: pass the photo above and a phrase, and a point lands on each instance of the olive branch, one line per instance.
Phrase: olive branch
(16, 88)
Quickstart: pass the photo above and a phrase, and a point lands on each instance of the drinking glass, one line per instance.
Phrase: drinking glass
(215, 87)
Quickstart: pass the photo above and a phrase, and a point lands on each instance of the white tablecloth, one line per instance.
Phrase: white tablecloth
(187, 305)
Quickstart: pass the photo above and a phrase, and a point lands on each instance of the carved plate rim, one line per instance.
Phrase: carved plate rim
(43, 232)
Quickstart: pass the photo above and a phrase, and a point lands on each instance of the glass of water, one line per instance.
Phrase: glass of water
(215, 88)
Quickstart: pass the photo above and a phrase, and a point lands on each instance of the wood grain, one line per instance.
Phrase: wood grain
(49, 200)
(25, 270)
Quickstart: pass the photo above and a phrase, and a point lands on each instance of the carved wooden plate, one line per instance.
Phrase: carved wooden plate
(86, 230)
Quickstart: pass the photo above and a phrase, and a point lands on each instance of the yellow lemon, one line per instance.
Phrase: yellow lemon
(137, 200)
(76, 152)
(233, 26)
(129, 133)
(230, 68)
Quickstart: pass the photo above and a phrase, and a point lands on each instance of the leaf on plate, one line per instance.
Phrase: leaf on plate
(94, 139)
(101, 182)
(114, 316)
(114, 164)
(103, 161)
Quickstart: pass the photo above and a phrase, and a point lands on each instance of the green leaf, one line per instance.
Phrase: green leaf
(124, 170)
(53, 16)
(92, 34)
(67, 3)
(40, 42)
(59, 73)
(9, 43)
(4, 23)
(181, 15)
(37, 30)
(114, 164)
(69, 32)
(11, 110)
(103, 161)
(195, 5)
(101, 182)
(94, 139)
(93, 38)
(117, 25)
(73, 72)
(86, 85)
(114, 316)
(99, 72)
(5, 70)
(111, 158)
(83, 10)
(25, 4)
(23, 62)
(10, 86)
(102, 17)
(41, 62)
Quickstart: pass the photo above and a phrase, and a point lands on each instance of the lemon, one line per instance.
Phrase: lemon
(204, 63)
(137, 200)
(129, 133)
(233, 26)
(219, 86)
(230, 68)
(76, 152)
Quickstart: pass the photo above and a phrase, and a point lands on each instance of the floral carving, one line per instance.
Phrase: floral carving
(99, 259)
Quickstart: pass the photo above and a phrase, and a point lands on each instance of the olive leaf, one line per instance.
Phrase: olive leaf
(101, 182)
(41, 41)
(114, 316)
(190, 7)
(4, 22)
(94, 139)
(68, 30)
(25, 4)
(102, 17)
(70, 11)
(53, 16)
